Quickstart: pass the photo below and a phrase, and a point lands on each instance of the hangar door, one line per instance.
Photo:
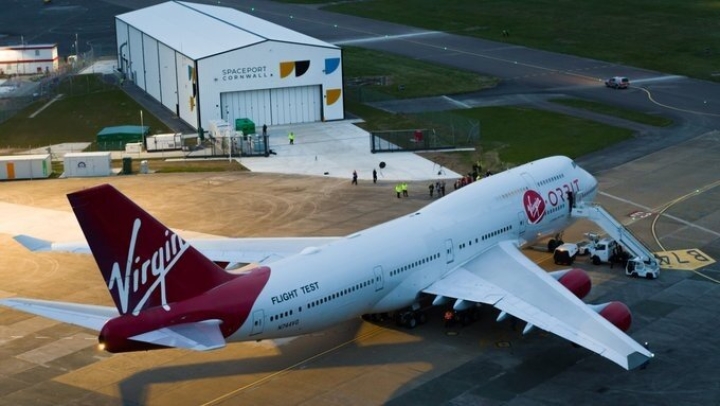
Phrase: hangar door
(274, 106)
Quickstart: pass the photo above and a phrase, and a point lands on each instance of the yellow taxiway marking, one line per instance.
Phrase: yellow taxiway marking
(369, 334)
(652, 100)
(688, 260)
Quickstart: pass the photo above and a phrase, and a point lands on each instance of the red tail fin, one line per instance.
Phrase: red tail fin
(143, 262)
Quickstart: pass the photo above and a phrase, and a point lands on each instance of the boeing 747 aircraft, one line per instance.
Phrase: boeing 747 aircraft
(463, 248)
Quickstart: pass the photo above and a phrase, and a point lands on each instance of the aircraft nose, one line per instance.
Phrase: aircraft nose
(591, 186)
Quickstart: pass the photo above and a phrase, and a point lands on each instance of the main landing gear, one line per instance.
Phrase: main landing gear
(409, 318)
(555, 242)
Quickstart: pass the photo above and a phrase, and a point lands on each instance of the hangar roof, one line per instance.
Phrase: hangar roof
(199, 30)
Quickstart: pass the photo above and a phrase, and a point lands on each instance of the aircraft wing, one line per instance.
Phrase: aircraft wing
(230, 250)
(88, 316)
(506, 279)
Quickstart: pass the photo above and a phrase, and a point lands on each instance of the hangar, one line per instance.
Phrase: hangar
(208, 62)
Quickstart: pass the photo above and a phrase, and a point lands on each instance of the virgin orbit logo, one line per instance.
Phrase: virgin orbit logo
(145, 274)
(534, 206)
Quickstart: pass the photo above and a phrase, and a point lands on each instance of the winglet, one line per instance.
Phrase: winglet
(637, 359)
(33, 244)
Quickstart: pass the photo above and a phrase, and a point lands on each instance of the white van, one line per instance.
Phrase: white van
(618, 82)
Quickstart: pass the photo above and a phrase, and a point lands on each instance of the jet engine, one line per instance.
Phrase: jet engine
(575, 280)
(616, 313)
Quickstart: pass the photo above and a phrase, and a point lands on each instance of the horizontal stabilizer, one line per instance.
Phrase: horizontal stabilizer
(88, 316)
(32, 243)
(200, 336)
(40, 245)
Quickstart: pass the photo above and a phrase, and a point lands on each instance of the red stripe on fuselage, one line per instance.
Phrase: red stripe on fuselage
(230, 302)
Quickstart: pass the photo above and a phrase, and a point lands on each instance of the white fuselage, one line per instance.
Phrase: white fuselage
(385, 267)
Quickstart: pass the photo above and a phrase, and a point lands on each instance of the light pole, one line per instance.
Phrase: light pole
(142, 129)
(91, 54)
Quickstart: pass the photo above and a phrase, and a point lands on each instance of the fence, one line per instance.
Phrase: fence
(438, 129)
(29, 89)
(246, 146)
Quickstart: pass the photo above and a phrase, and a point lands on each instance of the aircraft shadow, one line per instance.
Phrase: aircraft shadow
(431, 337)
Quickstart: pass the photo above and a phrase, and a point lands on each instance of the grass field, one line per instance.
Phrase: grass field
(678, 37)
(87, 106)
(200, 165)
(654, 120)
(408, 78)
(521, 134)
(514, 135)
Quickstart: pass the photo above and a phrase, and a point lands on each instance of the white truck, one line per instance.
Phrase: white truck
(607, 250)
(565, 254)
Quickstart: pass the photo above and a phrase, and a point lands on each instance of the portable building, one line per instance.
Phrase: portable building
(25, 166)
(86, 164)
(206, 62)
(134, 147)
(164, 142)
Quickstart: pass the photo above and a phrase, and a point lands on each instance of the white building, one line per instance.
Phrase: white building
(164, 142)
(25, 167)
(86, 164)
(208, 62)
(28, 59)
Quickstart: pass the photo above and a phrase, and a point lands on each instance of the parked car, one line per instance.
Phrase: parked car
(565, 254)
(618, 82)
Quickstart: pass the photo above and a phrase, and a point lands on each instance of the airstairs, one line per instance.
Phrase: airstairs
(641, 254)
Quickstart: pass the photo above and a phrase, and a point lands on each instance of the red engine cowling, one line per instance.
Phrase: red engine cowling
(616, 313)
(575, 280)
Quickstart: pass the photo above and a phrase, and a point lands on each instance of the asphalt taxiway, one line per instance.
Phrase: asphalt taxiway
(44, 362)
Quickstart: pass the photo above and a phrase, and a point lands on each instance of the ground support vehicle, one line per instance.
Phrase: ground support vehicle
(621, 245)
(565, 254)
(618, 82)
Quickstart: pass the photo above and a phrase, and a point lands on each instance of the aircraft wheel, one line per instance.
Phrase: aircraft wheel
(422, 317)
(552, 244)
(596, 260)
(411, 322)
